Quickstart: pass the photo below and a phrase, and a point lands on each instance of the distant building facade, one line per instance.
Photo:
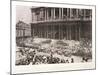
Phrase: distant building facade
(61, 23)
(23, 30)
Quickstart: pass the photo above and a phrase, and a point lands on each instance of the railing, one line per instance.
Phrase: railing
(64, 19)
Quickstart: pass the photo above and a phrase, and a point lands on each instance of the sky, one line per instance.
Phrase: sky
(23, 13)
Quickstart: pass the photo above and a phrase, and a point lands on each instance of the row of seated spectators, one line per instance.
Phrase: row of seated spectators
(31, 57)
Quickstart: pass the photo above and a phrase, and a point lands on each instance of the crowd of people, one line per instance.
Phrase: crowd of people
(31, 56)
(26, 55)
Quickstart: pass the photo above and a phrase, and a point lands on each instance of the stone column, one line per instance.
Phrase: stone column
(32, 16)
(54, 13)
(62, 13)
(79, 31)
(70, 12)
(60, 36)
(45, 14)
(40, 16)
(84, 13)
(47, 31)
(70, 32)
(20, 32)
(75, 32)
(67, 32)
(39, 31)
(59, 13)
(77, 13)
(53, 31)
